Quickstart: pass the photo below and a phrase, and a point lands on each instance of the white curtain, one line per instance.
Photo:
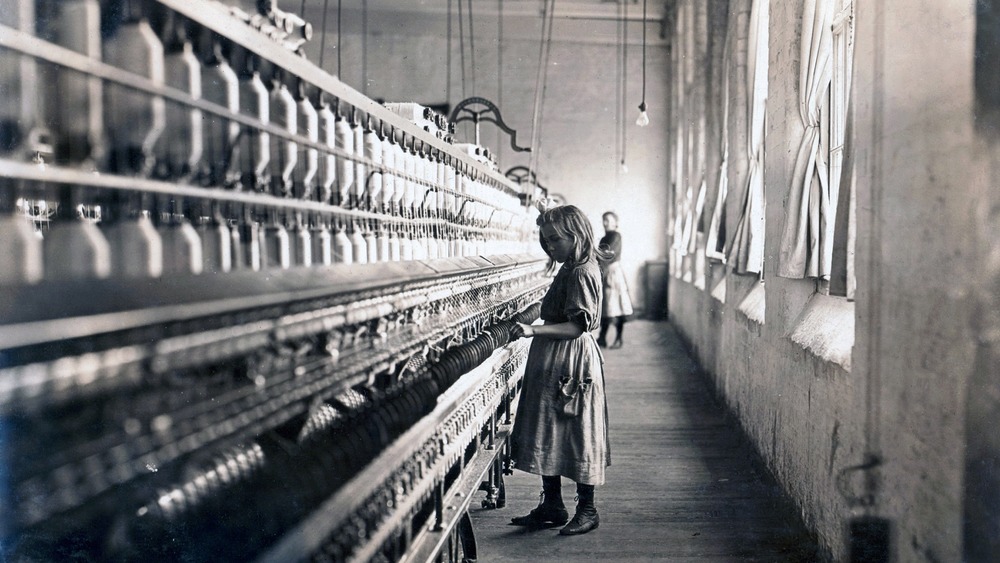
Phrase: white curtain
(747, 249)
(686, 226)
(683, 191)
(690, 236)
(680, 190)
(807, 236)
(842, 278)
(712, 250)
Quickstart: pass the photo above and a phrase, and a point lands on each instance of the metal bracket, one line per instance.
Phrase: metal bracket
(520, 174)
(491, 114)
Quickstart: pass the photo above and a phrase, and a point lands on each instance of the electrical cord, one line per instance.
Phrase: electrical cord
(544, 50)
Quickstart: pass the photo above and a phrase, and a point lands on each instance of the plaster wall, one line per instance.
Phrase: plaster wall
(923, 186)
(919, 189)
(798, 408)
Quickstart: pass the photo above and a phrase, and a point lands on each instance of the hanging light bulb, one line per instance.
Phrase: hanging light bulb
(624, 167)
(643, 119)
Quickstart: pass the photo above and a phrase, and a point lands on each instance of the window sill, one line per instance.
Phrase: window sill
(752, 306)
(719, 293)
(826, 329)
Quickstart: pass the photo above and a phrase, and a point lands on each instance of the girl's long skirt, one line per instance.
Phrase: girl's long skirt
(547, 442)
(617, 302)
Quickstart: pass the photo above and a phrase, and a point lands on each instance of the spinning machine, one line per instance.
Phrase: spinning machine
(246, 313)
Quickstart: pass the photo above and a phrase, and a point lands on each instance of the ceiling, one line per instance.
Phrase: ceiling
(591, 20)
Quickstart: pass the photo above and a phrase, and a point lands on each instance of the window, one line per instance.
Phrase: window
(746, 253)
(842, 280)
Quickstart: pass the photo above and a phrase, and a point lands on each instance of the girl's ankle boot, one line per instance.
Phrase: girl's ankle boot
(550, 511)
(586, 518)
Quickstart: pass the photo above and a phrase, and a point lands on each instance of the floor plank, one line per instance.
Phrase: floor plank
(684, 485)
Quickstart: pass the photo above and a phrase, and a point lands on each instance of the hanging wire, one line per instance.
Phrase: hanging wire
(499, 64)
(364, 47)
(544, 51)
(545, 82)
(624, 87)
(643, 54)
(461, 44)
(302, 10)
(322, 39)
(447, 85)
(472, 49)
(618, 95)
(340, 7)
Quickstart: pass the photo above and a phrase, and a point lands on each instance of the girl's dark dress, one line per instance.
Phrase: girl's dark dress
(544, 441)
(617, 302)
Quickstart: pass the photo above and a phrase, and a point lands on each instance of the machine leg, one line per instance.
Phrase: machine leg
(439, 507)
(467, 535)
(507, 469)
(501, 494)
(501, 491)
(493, 432)
(496, 496)
(491, 493)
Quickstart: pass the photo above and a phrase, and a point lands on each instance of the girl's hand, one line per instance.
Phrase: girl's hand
(520, 330)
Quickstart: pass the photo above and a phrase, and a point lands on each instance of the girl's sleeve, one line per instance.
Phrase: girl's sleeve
(583, 297)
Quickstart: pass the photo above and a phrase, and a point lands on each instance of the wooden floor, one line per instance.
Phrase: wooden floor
(683, 485)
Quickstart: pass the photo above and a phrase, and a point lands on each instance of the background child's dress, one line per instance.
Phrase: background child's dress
(617, 302)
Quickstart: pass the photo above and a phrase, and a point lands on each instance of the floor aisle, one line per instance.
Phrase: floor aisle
(683, 485)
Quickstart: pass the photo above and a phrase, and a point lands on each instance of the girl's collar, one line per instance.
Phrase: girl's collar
(569, 264)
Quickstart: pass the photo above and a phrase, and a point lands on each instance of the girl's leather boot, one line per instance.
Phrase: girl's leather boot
(586, 518)
(550, 511)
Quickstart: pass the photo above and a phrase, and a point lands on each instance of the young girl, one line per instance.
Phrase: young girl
(617, 303)
(561, 424)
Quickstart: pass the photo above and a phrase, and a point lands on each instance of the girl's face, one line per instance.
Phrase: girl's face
(561, 247)
(610, 223)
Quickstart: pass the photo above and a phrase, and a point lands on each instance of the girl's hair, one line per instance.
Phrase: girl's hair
(610, 214)
(569, 221)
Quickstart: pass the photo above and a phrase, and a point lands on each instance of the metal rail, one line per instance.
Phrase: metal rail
(114, 305)
(461, 413)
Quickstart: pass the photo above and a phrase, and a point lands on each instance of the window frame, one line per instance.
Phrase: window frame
(835, 124)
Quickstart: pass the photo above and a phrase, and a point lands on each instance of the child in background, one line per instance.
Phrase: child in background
(617, 303)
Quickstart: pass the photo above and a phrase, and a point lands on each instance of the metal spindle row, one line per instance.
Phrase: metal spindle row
(142, 92)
